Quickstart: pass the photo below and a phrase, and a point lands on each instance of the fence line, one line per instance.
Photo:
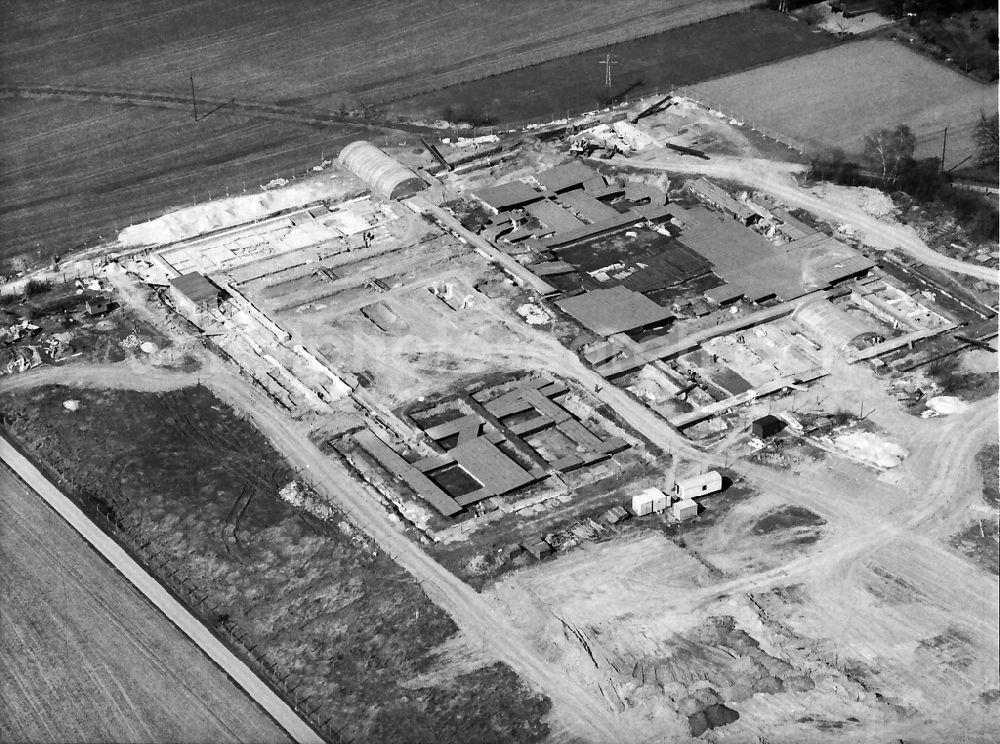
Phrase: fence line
(167, 570)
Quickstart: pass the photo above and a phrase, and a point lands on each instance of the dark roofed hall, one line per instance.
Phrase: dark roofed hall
(614, 310)
(567, 176)
(195, 287)
(508, 195)
(491, 467)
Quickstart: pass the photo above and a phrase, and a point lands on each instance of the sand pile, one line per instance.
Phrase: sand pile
(946, 404)
(872, 201)
(875, 202)
(866, 447)
(214, 215)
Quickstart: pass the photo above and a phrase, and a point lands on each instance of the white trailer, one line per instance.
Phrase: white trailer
(698, 485)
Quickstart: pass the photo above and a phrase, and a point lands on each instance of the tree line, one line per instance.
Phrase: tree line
(887, 162)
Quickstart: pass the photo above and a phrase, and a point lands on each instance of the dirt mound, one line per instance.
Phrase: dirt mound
(946, 404)
(714, 716)
(871, 449)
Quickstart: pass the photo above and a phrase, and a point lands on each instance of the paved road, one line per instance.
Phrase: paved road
(582, 711)
(155, 593)
(776, 179)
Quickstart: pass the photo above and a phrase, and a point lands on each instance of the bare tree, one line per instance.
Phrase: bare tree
(889, 149)
(812, 15)
(987, 138)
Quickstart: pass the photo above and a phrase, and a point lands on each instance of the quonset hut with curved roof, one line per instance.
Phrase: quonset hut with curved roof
(383, 174)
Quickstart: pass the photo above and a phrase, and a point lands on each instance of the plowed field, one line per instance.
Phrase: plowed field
(83, 657)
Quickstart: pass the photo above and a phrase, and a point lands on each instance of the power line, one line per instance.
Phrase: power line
(609, 59)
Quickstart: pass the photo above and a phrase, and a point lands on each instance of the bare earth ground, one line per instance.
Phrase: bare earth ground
(85, 658)
(834, 97)
(896, 631)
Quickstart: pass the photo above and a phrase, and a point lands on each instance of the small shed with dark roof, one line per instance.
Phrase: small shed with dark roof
(767, 426)
(194, 292)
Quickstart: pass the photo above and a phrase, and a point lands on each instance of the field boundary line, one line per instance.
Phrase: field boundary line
(246, 108)
(157, 594)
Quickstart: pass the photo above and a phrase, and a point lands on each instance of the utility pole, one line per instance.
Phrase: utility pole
(944, 146)
(609, 59)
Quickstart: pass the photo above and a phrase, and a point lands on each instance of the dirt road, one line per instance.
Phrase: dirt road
(581, 711)
(86, 658)
(776, 178)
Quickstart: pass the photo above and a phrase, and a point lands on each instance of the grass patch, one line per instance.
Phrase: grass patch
(833, 98)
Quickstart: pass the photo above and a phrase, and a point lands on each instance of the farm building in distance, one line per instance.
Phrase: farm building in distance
(194, 293)
(97, 306)
(383, 174)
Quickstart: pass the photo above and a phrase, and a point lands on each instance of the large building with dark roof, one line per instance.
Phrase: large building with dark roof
(509, 195)
(615, 310)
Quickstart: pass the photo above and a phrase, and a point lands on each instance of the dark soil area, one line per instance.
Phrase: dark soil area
(948, 373)
(979, 540)
(339, 620)
(785, 518)
(577, 83)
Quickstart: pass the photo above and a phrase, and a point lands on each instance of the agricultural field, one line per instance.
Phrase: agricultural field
(334, 616)
(576, 83)
(77, 642)
(832, 98)
(74, 172)
(317, 53)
